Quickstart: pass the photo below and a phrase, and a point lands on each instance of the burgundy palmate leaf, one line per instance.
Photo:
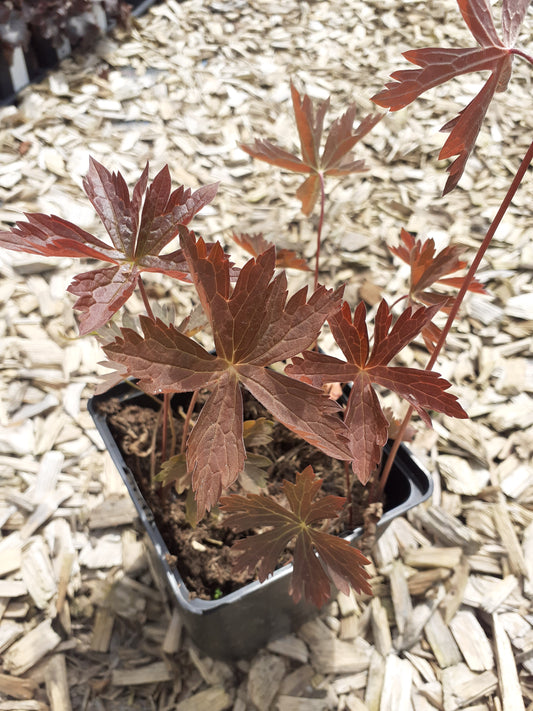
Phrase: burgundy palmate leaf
(437, 66)
(335, 158)
(429, 267)
(365, 367)
(337, 562)
(254, 325)
(255, 243)
(164, 359)
(139, 227)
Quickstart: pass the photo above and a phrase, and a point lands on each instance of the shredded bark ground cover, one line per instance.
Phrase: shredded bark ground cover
(84, 625)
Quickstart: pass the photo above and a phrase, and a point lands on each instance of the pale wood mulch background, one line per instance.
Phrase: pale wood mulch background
(83, 625)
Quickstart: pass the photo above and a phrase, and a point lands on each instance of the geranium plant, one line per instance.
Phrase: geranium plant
(264, 342)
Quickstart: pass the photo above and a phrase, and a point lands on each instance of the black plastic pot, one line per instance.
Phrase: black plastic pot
(242, 622)
(40, 56)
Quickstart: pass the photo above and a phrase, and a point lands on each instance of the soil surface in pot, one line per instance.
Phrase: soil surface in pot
(203, 553)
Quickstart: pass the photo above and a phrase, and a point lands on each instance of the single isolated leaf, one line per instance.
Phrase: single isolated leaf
(337, 562)
(254, 325)
(254, 478)
(258, 432)
(437, 66)
(335, 159)
(430, 267)
(139, 228)
(365, 367)
(255, 244)
(174, 471)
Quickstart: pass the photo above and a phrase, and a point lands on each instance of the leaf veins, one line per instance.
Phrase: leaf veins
(139, 227)
(337, 562)
(335, 159)
(254, 325)
(437, 66)
(365, 367)
(430, 267)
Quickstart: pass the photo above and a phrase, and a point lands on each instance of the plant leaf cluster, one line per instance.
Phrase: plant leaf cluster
(256, 324)
(139, 227)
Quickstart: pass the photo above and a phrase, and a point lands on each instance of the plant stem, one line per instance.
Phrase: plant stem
(348, 487)
(166, 409)
(188, 416)
(401, 298)
(457, 304)
(320, 225)
(166, 396)
(173, 435)
(146, 303)
(152, 447)
(522, 54)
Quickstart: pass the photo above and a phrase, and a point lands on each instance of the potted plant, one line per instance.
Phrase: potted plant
(265, 344)
(35, 35)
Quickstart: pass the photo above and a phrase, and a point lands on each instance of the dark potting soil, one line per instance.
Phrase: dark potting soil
(203, 553)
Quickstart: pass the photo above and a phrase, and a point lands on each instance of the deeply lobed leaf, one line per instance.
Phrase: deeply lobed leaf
(366, 422)
(337, 561)
(429, 267)
(137, 238)
(335, 159)
(254, 325)
(440, 65)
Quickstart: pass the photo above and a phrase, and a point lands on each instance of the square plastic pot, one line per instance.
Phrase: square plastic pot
(240, 623)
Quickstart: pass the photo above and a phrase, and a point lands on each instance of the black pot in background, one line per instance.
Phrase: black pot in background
(242, 622)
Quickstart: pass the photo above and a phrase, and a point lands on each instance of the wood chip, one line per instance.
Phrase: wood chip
(434, 557)
(455, 591)
(102, 630)
(214, 699)
(45, 509)
(441, 641)
(510, 691)
(37, 572)
(56, 681)
(461, 477)
(376, 677)
(472, 641)
(12, 588)
(25, 653)
(9, 632)
(291, 647)
(264, 679)
(397, 681)
(400, 593)
(114, 511)
(488, 592)
(10, 559)
(149, 674)
(509, 539)
(330, 655)
(447, 529)
(380, 627)
(23, 706)
(172, 641)
(17, 688)
(462, 687)
(292, 703)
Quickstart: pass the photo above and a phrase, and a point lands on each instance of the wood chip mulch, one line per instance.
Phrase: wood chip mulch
(83, 625)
